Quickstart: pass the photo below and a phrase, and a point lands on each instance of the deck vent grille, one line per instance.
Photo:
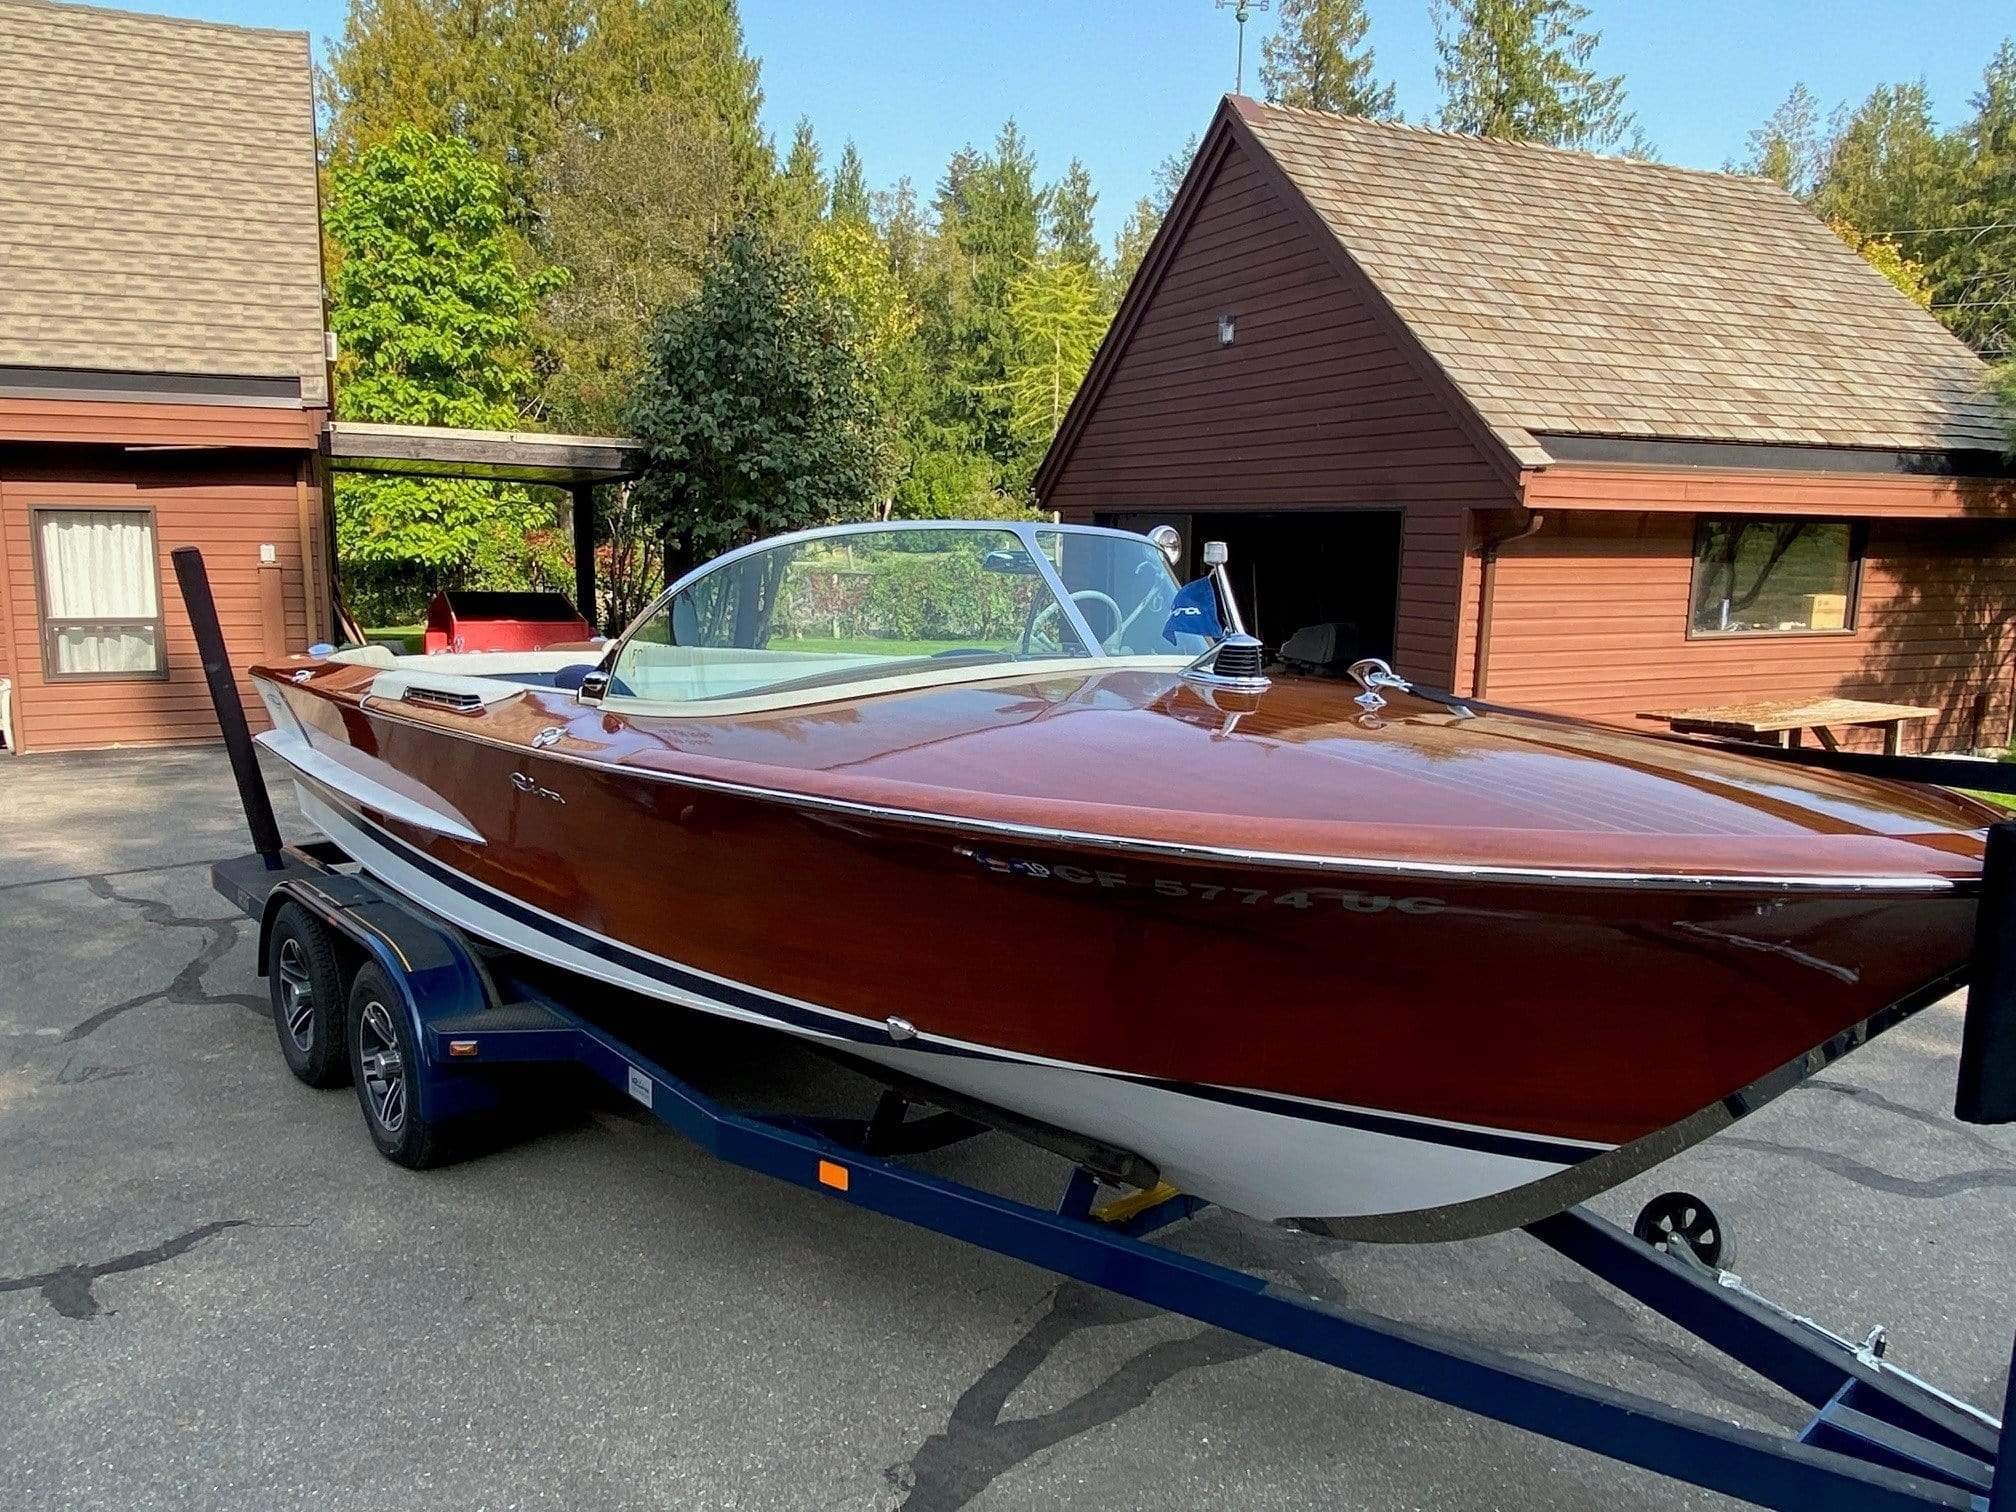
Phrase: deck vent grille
(1240, 656)
(443, 698)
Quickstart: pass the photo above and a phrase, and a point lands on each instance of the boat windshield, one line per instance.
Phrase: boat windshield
(848, 604)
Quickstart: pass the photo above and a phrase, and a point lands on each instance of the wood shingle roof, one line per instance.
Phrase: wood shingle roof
(1564, 292)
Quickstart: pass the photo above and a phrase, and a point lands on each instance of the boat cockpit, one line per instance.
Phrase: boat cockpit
(835, 612)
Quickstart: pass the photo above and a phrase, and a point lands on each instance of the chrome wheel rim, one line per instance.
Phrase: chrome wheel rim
(297, 995)
(383, 1066)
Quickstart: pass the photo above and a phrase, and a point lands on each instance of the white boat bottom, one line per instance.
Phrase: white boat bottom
(1267, 1162)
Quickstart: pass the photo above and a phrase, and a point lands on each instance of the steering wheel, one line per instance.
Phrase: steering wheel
(1051, 609)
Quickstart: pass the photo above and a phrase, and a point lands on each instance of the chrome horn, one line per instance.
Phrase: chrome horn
(1372, 674)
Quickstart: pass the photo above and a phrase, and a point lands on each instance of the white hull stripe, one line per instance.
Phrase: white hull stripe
(786, 1013)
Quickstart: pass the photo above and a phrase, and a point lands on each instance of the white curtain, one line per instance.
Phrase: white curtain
(98, 564)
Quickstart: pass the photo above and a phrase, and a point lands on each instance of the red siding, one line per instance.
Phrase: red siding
(1590, 618)
(1765, 491)
(1313, 406)
(229, 504)
(289, 427)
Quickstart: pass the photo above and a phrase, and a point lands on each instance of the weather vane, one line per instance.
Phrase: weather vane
(1241, 11)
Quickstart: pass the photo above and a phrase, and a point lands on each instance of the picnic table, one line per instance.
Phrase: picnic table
(1781, 721)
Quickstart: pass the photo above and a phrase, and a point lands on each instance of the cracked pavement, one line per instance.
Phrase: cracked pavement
(214, 1294)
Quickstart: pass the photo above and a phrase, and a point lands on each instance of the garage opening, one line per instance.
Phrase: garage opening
(1321, 584)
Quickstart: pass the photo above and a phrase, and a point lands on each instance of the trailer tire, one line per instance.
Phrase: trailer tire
(385, 1065)
(306, 984)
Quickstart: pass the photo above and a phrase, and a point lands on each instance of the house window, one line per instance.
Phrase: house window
(101, 594)
(1774, 577)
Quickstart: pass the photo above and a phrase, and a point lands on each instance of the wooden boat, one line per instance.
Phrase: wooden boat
(1002, 811)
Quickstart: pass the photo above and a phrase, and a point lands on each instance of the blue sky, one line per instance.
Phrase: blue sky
(1121, 83)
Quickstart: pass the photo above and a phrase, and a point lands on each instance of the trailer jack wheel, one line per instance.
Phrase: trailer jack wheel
(1682, 1225)
(307, 989)
(385, 1066)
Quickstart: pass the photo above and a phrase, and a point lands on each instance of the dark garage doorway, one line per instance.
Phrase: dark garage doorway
(1297, 568)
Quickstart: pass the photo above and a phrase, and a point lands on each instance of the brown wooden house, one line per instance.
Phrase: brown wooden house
(162, 375)
(1570, 431)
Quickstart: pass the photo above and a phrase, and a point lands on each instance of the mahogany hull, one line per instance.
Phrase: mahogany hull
(1413, 1054)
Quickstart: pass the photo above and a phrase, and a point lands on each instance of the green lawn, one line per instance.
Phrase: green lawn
(871, 646)
(1998, 800)
(403, 640)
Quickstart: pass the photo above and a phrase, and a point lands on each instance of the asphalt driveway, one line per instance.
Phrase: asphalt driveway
(213, 1293)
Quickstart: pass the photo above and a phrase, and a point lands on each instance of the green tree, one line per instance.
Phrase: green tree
(901, 225)
(1068, 234)
(851, 265)
(801, 187)
(1317, 58)
(1520, 69)
(513, 80)
(1975, 268)
(753, 408)
(430, 316)
(998, 215)
(1786, 148)
(1139, 229)
(849, 199)
(1058, 316)
(2002, 383)
(1887, 258)
(634, 212)
(1887, 170)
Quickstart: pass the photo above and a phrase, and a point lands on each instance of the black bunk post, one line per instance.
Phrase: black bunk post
(1987, 1088)
(202, 608)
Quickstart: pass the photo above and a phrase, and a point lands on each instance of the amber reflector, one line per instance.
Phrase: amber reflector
(833, 1174)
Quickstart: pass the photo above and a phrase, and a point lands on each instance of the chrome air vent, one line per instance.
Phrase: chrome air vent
(455, 702)
(1236, 661)
(1239, 656)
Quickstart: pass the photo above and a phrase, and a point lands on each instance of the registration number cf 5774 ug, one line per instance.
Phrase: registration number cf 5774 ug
(1119, 880)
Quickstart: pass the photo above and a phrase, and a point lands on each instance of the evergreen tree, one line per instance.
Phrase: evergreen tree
(1137, 232)
(1786, 148)
(1976, 268)
(753, 408)
(801, 187)
(948, 201)
(999, 216)
(1069, 236)
(849, 200)
(513, 80)
(900, 224)
(1317, 58)
(1131, 245)
(1520, 69)
(1887, 170)
(634, 212)
(1170, 173)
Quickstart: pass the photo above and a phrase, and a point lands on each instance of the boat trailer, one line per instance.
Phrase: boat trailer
(436, 1027)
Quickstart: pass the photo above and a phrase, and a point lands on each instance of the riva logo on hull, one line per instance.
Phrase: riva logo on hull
(1114, 879)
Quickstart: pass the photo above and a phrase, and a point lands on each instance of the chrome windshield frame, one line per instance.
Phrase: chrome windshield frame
(1025, 533)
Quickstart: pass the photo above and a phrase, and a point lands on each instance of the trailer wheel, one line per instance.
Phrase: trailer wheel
(1679, 1220)
(307, 989)
(385, 1066)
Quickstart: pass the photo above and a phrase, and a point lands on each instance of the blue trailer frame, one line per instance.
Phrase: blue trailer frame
(1878, 1439)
